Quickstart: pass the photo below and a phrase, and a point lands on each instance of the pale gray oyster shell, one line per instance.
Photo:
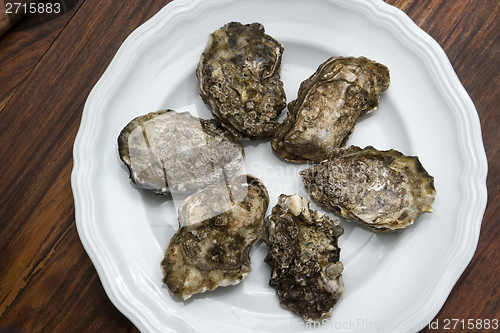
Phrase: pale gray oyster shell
(218, 227)
(168, 151)
(328, 104)
(304, 257)
(384, 190)
(239, 78)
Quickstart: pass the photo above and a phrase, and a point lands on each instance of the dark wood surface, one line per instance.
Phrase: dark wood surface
(49, 64)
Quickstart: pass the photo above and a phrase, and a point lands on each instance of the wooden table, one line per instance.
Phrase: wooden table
(49, 64)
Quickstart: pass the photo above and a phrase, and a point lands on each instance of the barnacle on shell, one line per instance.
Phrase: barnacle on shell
(166, 150)
(218, 226)
(239, 78)
(384, 190)
(304, 257)
(328, 104)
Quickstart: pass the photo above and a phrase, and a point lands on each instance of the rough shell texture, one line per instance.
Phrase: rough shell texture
(304, 257)
(327, 107)
(385, 190)
(166, 150)
(203, 255)
(239, 78)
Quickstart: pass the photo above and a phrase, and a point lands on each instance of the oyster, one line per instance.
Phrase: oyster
(239, 78)
(203, 255)
(304, 257)
(327, 107)
(384, 190)
(166, 150)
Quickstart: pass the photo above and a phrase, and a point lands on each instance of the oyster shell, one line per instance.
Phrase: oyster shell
(211, 248)
(239, 78)
(384, 190)
(327, 107)
(304, 257)
(166, 150)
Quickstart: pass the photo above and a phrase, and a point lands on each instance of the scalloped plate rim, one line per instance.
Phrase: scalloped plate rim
(83, 201)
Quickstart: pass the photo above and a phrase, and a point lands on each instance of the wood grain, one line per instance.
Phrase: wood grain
(47, 281)
(4, 18)
(10, 13)
(45, 269)
(26, 43)
(468, 31)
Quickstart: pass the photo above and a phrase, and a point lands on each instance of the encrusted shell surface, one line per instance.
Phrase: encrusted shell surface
(384, 190)
(239, 78)
(304, 257)
(218, 227)
(327, 107)
(166, 150)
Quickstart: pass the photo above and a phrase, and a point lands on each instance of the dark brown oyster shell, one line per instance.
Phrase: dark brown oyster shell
(239, 78)
(304, 257)
(166, 150)
(384, 190)
(327, 107)
(218, 227)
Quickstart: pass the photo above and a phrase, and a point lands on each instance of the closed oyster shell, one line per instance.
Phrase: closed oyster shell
(304, 257)
(239, 78)
(219, 226)
(327, 107)
(384, 190)
(166, 150)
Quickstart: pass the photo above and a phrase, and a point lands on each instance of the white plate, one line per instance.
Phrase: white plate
(394, 282)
